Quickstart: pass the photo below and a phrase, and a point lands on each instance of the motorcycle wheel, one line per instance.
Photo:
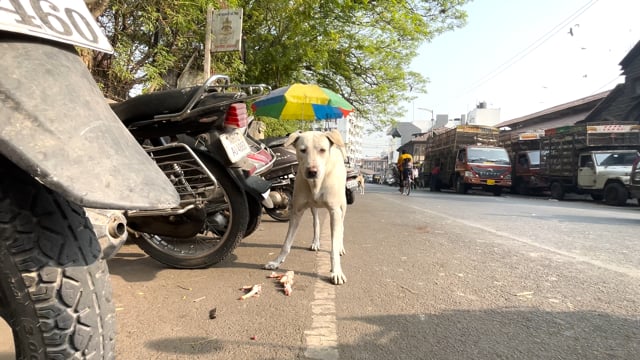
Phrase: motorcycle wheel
(224, 227)
(281, 213)
(55, 291)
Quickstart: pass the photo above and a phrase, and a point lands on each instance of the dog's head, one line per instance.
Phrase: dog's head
(315, 150)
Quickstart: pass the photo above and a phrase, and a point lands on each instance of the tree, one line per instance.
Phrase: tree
(362, 49)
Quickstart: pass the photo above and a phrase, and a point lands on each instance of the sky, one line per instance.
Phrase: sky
(522, 56)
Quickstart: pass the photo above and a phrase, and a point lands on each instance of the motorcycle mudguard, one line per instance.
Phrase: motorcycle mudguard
(56, 125)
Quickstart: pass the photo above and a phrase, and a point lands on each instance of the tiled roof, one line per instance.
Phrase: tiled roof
(556, 109)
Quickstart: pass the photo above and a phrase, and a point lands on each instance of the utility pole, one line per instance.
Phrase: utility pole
(207, 43)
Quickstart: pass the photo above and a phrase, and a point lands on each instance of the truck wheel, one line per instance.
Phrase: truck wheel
(54, 284)
(497, 191)
(557, 191)
(461, 187)
(615, 194)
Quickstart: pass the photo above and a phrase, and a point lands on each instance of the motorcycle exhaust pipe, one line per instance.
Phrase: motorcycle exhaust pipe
(110, 227)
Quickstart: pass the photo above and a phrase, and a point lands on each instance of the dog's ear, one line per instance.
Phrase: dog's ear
(335, 137)
(292, 138)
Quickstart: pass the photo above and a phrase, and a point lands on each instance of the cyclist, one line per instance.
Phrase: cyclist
(405, 167)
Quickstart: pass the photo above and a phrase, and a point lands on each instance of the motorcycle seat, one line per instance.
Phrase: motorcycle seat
(146, 106)
(274, 141)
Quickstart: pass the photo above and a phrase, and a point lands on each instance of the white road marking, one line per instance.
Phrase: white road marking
(612, 267)
(322, 337)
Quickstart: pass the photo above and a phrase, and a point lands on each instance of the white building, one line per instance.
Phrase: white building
(481, 115)
(352, 130)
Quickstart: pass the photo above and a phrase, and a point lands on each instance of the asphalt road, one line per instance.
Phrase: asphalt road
(430, 276)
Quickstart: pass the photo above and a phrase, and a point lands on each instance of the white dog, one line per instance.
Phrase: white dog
(360, 180)
(320, 183)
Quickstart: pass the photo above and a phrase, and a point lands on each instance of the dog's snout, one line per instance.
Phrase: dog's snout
(312, 173)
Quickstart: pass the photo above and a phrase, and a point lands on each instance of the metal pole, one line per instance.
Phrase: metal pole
(207, 43)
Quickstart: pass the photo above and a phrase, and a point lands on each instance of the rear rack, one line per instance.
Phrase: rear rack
(188, 174)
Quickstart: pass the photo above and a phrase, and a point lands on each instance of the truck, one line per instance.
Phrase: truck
(468, 157)
(594, 159)
(634, 181)
(524, 152)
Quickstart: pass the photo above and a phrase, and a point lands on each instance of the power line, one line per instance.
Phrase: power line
(536, 44)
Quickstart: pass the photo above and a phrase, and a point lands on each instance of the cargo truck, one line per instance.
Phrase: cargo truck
(594, 159)
(469, 157)
(524, 152)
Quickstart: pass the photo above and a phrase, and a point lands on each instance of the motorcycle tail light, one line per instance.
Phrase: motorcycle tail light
(261, 156)
(236, 116)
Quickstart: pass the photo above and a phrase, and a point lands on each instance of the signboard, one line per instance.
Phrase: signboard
(612, 128)
(528, 136)
(227, 30)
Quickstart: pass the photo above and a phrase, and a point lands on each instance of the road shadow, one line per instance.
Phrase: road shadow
(497, 334)
(520, 334)
(133, 266)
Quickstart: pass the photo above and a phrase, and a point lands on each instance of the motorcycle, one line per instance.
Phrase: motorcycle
(352, 185)
(62, 149)
(282, 177)
(283, 173)
(196, 136)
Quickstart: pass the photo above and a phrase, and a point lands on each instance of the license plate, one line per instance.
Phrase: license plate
(235, 145)
(491, 182)
(67, 21)
(352, 184)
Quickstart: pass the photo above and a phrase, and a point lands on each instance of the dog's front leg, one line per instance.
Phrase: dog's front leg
(337, 234)
(315, 244)
(294, 222)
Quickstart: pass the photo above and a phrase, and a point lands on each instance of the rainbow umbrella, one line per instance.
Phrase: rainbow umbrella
(301, 102)
(339, 102)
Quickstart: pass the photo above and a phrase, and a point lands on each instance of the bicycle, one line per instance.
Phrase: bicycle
(406, 190)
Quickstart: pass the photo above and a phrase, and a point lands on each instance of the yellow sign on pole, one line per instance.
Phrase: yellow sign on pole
(227, 30)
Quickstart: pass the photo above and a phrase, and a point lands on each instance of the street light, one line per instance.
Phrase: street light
(432, 119)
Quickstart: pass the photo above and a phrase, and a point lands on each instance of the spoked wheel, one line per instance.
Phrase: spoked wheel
(281, 212)
(406, 190)
(224, 226)
(54, 285)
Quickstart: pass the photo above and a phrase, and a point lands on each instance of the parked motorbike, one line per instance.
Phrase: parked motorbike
(352, 185)
(282, 176)
(196, 136)
(62, 149)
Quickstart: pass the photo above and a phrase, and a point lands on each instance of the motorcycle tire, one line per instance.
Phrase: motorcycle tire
(255, 215)
(194, 252)
(281, 214)
(55, 291)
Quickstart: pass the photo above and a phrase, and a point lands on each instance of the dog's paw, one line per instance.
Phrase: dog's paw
(338, 278)
(272, 265)
(315, 246)
(343, 252)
